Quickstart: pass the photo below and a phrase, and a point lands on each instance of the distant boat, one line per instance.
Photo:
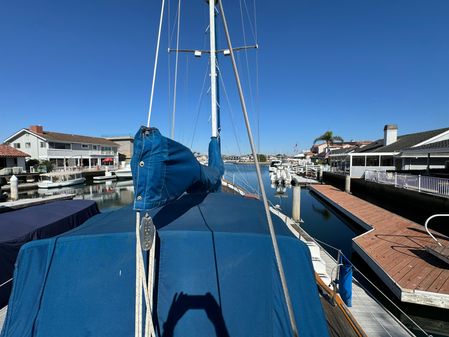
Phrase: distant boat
(61, 179)
(124, 173)
(107, 176)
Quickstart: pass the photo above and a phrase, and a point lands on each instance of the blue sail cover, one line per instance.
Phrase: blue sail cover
(215, 276)
(164, 169)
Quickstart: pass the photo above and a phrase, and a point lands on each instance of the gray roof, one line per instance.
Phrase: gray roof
(343, 150)
(64, 137)
(436, 148)
(403, 142)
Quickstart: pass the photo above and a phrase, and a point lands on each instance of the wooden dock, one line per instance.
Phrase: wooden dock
(395, 249)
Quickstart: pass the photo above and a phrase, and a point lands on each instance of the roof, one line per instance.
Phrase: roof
(437, 147)
(7, 151)
(403, 142)
(444, 144)
(344, 150)
(65, 137)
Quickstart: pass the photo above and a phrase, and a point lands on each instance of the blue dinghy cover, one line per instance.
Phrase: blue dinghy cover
(164, 169)
(215, 276)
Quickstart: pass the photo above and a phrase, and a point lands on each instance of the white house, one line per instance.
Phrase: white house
(393, 152)
(63, 149)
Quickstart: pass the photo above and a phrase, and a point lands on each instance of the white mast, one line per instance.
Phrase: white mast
(213, 68)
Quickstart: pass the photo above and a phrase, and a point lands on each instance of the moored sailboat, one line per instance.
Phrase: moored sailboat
(186, 260)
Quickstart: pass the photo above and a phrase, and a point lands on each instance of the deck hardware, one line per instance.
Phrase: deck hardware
(147, 231)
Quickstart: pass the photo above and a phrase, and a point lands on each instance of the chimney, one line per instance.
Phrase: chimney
(390, 134)
(36, 128)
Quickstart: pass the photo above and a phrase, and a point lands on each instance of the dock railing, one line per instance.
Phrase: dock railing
(426, 184)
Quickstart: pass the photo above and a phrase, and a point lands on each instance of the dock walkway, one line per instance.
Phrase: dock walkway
(395, 249)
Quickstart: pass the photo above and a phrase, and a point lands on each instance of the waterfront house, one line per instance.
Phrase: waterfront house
(11, 160)
(393, 152)
(64, 150)
(321, 148)
(125, 147)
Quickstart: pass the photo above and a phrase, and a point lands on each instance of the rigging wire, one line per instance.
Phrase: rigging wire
(198, 109)
(259, 178)
(176, 74)
(231, 115)
(150, 108)
(168, 66)
(257, 107)
(248, 70)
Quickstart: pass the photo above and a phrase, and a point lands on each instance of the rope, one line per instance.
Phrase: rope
(150, 108)
(259, 178)
(176, 74)
(138, 314)
(141, 282)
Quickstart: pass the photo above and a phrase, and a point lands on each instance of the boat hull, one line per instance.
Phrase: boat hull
(49, 184)
(123, 174)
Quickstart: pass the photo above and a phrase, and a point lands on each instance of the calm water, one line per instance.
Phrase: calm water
(320, 221)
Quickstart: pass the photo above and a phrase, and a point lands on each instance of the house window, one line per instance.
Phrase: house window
(95, 147)
(358, 161)
(27, 145)
(84, 146)
(59, 146)
(42, 144)
(372, 160)
(17, 145)
(105, 148)
(386, 161)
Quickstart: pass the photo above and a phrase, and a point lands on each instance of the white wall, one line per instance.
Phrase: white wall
(359, 171)
(35, 151)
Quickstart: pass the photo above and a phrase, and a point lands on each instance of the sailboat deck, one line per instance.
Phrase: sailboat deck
(395, 248)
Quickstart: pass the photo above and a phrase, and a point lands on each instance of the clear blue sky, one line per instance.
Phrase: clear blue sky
(349, 66)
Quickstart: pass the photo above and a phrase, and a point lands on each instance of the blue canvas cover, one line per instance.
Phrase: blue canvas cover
(164, 169)
(215, 276)
(32, 223)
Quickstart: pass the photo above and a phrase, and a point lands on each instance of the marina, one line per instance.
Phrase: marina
(134, 201)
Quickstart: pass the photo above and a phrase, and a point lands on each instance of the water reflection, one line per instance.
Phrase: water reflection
(107, 194)
(323, 211)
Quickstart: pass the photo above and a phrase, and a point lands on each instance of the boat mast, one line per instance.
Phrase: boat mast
(213, 69)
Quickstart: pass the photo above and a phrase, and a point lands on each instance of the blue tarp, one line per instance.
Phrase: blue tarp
(164, 169)
(37, 222)
(215, 275)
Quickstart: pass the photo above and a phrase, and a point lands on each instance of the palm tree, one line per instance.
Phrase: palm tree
(329, 138)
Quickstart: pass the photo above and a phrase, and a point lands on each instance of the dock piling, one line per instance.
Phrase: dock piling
(296, 207)
(14, 183)
(348, 184)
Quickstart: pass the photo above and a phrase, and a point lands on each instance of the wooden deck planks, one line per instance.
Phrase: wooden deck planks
(397, 245)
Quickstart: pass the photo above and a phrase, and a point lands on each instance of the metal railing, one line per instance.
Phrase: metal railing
(426, 225)
(434, 185)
